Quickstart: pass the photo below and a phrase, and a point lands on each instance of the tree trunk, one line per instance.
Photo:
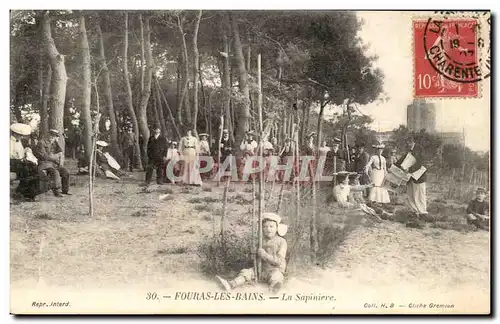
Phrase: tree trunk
(143, 116)
(243, 114)
(143, 67)
(226, 84)
(130, 105)
(86, 89)
(179, 90)
(168, 109)
(196, 63)
(44, 113)
(109, 97)
(163, 125)
(59, 80)
(185, 95)
(156, 107)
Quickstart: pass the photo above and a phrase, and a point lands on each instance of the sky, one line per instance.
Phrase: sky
(389, 35)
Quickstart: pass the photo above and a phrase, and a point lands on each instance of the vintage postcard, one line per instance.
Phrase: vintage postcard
(250, 162)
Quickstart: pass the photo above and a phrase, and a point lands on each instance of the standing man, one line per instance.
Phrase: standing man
(415, 187)
(128, 147)
(49, 154)
(157, 149)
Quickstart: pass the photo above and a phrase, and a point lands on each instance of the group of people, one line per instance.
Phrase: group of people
(368, 173)
(38, 166)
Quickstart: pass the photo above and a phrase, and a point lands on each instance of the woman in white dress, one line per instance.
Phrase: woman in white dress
(189, 148)
(378, 165)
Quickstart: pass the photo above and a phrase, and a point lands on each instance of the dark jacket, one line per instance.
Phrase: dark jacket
(478, 207)
(418, 154)
(48, 154)
(227, 147)
(128, 140)
(361, 161)
(157, 148)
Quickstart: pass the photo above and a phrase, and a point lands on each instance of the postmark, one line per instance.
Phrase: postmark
(447, 57)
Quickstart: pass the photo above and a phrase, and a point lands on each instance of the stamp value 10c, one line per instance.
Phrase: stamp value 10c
(446, 58)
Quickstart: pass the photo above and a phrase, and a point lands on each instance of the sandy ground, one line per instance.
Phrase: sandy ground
(138, 242)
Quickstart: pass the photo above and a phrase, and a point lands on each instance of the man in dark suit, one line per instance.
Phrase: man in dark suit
(157, 150)
(415, 187)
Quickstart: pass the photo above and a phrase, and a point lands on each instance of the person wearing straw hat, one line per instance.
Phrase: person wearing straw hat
(378, 165)
(23, 163)
(204, 151)
(286, 156)
(249, 148)
(478, 210)
(272, 254)
(189, 149)
(106, 162)
(49, 154)
(342, 191)
(415, 188)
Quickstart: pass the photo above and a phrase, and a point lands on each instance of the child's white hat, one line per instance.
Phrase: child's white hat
(282, 228)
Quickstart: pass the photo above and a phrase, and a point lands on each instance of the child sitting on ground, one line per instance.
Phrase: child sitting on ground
(272, 254)
(478, 210)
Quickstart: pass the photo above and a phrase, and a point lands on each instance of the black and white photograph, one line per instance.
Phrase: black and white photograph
(249, 162)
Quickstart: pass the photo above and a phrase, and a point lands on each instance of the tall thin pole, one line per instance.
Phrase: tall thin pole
(261, 187)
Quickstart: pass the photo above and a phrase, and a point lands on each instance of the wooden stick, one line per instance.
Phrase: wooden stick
(254, 210)
(221, 129)
(261, 185)
(296, 183)
(92, 163)
(224, 209)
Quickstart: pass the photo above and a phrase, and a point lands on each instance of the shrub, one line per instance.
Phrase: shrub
(226, 256)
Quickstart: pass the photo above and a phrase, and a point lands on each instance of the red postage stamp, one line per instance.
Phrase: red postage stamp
(446, 60)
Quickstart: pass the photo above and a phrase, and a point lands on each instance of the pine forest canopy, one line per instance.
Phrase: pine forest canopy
(181, 70)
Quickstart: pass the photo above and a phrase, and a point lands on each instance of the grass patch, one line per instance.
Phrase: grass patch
(239, 199)
(44, 216)
(140, 213)
(174, 250)
(199, 200)
(203, 208)
(226, 256)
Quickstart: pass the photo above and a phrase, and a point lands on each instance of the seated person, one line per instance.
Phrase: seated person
(342, 191)
(24, 164)
(478, 210)
(272, 254)
(106, 162)
(83, 161)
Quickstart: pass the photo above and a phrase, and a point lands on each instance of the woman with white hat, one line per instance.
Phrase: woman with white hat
(189, 148)
(205, 152)
(378, 166)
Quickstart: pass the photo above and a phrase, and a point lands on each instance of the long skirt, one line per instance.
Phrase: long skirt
(203, 164)
(176, 170)
(416, 197)
(247, 174)
(288, 175)
(378, 193)
(190, 172)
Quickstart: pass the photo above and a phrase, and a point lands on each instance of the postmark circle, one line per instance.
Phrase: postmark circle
(451, 47)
